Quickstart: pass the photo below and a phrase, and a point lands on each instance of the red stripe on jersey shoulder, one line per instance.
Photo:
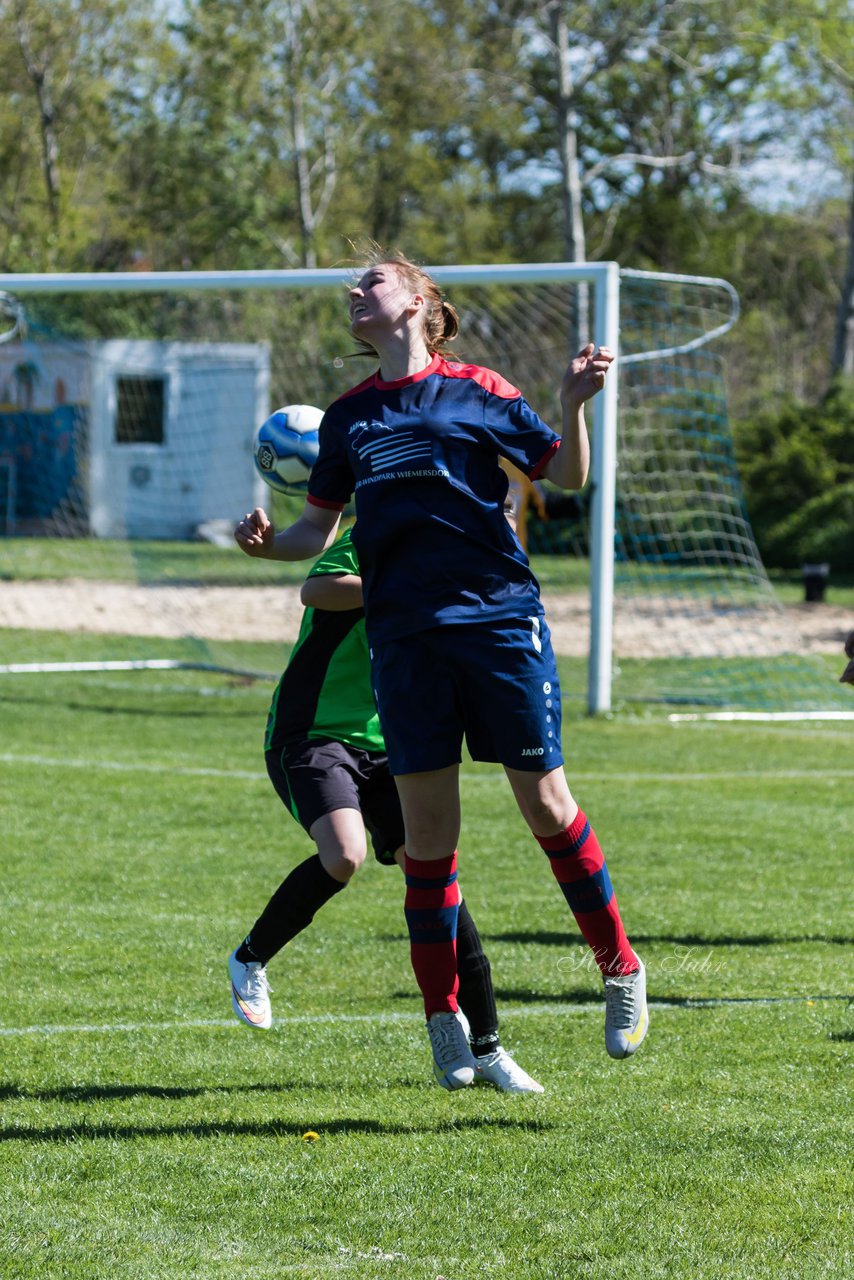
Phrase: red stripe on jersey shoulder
(486, 378)
(354, 391)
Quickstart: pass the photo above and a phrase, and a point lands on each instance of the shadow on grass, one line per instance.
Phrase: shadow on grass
(265, 1129)
(677, 1002)
(177, 706)
(520, 995)
(114, 1092)
(516, 996)
(523, 996)
(545, 938)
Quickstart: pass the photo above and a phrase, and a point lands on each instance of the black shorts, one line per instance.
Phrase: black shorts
(316, 776)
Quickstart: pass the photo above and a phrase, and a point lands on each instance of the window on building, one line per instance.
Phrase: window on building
(140, 403)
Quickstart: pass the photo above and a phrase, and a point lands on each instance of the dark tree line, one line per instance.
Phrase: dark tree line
(258, 133)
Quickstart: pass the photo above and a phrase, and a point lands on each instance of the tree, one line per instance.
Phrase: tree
(797, 464)
(39, 70)
(842, 360)
(315, 178)
(842, 77)
(635, 100)
(63, 66)
(810, 90)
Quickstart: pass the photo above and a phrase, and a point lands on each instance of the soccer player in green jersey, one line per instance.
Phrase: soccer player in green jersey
(326, 759)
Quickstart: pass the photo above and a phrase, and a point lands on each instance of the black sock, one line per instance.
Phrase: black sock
(476, 996)
(245, 954)
(290, 910)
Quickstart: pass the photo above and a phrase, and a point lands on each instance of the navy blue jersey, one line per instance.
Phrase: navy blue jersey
(421, 455)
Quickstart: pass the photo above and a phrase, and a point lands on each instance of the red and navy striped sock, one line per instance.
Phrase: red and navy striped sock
(579, 868)
(431, 908)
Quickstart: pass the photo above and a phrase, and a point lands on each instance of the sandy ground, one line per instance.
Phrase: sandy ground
(646, 628)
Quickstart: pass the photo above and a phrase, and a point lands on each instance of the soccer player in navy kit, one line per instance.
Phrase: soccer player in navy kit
(460, 646)
(326, 759)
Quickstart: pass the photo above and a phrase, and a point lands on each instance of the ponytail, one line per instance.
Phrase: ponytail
(451, 322)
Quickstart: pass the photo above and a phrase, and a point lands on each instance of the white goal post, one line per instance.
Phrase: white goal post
(605, 278)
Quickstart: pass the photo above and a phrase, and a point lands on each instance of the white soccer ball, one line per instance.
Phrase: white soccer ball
(286, 447)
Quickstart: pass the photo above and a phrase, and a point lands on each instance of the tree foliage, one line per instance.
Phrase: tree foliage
(798, 469)
(221, 133)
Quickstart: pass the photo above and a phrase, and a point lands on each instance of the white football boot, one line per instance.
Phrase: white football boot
(500, 1069)
(453, 1062)
(250, 993)
(626, 1014)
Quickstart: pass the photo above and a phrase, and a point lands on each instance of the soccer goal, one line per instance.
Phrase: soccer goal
(128, 403)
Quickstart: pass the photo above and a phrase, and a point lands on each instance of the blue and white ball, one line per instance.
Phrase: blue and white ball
(286, 447)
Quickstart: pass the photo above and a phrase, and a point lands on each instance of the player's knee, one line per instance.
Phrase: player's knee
(343, 863)
(431, 832)
(431, 843)
(547, 813)
(351, 860)
(544, 800)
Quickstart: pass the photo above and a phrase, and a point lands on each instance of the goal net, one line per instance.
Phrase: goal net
(127, 410)
(697, 620)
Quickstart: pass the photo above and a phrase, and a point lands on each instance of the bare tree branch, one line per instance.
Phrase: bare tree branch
(38, 74)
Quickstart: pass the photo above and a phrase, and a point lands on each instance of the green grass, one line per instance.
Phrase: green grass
(39, 559)
(146, 1134)
(789, 586)
(33, 559)
(103, 559)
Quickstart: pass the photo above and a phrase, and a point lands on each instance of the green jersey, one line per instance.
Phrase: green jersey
(325, 690)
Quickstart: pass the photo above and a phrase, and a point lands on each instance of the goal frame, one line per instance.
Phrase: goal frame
(604, 279)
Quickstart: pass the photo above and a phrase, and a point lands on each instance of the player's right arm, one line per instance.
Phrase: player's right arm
(307, 537)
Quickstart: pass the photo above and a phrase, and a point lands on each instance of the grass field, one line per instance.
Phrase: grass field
(148, 1134)
(34, 559)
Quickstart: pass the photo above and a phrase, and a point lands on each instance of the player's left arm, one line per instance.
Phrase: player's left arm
(585, 376)
(336, 592)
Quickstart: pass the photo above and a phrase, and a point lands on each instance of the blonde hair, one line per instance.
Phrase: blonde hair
(440, 322)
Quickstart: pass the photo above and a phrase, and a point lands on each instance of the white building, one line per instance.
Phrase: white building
(130, 438)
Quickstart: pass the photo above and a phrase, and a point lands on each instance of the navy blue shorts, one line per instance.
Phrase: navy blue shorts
(493, 684)
(318, 775)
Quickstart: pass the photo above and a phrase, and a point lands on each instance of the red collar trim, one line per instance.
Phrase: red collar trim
(413, 377)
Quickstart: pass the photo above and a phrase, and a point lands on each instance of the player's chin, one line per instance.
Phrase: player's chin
(362, 324)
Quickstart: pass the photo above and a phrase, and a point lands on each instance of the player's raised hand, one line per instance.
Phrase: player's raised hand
(254, 534)
(585, 374)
